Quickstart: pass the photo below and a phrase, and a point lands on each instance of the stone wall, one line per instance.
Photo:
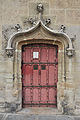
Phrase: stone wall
(66, 12)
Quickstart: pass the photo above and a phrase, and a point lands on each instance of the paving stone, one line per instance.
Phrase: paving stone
(64, 118)
(76, 118)
(47, 117)
(1, 116)
(20, 117)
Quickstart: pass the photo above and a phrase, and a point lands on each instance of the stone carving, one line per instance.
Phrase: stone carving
(35, 23)
(32, 21)
(18, 27)
(62, 28)
(9, 52)
(40, 7)
(73, 38)
(47, 21)
(70, 52)
(9, 30)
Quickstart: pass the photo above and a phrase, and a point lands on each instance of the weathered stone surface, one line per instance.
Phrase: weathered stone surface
(72, 3)
(36, 117)
(20, 117)
(1, 116)
(73, 16)
(60, 4)
(59, 16)
(62, 117)
(76, 118)
(47, 118)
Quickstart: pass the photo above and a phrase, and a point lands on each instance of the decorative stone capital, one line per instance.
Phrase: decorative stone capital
(9, 52)
(70, 52)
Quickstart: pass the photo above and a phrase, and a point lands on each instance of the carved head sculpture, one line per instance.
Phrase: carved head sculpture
(40, 7)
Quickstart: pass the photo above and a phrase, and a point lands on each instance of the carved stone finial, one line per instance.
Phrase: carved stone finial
(40, 8)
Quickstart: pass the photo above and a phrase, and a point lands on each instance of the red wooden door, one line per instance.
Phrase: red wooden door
(39, 75)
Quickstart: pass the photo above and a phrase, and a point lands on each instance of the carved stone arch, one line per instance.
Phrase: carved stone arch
(65, 37)
(38, 34)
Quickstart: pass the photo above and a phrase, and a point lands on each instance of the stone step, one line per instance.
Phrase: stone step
(9, 116)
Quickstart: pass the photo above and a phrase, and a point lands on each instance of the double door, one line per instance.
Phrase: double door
(39, 75)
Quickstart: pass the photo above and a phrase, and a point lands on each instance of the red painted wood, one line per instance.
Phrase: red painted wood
(38, 82)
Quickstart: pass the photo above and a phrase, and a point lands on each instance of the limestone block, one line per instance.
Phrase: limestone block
(59, 16)
(73, 16)
(72, 3)
(57, 4)
(60, 4)
(13, 11)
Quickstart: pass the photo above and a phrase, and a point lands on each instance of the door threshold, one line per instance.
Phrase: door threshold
(40, 111)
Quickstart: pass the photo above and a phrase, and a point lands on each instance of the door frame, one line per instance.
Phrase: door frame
(18, 76)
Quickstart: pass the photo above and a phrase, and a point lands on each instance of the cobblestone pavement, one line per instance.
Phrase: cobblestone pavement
(9, 116)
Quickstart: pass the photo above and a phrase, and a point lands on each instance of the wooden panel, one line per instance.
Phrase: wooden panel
(43, 55)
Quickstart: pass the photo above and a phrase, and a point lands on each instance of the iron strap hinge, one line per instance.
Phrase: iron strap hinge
(40, 104)
(40, 63)
(55, 86)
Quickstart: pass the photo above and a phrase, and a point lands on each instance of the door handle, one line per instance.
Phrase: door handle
(39, 72)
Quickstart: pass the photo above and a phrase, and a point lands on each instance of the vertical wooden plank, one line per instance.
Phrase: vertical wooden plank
(51, 75)
(43, 76)
(27, 72)
(51, 54)
(35, 95)
(35, 77)
(27, 55)
(27, 95)
(43, 96)
(52, 94)
(43, 54)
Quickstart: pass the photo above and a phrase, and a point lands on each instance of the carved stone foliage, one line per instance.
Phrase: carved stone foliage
(62, 28)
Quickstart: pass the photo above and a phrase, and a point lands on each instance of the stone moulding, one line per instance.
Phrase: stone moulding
(40, 9)
(69, 49)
